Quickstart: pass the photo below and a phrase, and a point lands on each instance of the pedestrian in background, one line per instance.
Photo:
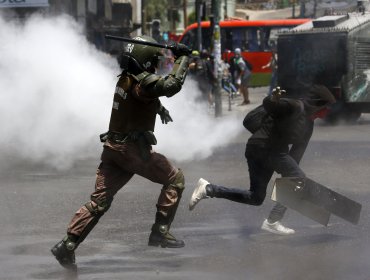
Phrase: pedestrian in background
(227, 81)
(273, 65)
(242, 74)
(201, 68)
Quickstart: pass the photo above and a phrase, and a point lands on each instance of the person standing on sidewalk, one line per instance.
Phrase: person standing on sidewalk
(273, 65)
(288, 122)
(128, 147)
(242, 75)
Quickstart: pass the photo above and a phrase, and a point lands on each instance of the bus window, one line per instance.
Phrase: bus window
(207, 37)
(226, 39)
(243, 38)
(264, 38)
(237, 38)
(252, 39)
(189, 39)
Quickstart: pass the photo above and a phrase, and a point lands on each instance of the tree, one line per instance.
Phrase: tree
(192, 18)
(156, 9)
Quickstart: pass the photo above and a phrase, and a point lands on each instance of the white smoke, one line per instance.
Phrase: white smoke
(56, 93)
(195, 132)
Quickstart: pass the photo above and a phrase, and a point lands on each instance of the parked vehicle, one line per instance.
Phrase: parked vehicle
(338, 49)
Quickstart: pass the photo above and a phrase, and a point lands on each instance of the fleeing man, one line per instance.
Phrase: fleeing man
(278, 145)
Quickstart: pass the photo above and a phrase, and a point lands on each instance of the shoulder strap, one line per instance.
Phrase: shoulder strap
(140, 76)
(146, 78)
(125, 81)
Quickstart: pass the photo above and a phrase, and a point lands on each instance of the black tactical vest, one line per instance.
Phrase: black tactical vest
(129, 112)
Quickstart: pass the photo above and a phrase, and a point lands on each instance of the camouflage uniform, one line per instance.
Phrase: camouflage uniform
(128, 151)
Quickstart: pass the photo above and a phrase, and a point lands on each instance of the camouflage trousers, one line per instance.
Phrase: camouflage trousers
(119, 162)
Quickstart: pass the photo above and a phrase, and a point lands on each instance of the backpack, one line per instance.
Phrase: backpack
(246, 62)
(254, 119)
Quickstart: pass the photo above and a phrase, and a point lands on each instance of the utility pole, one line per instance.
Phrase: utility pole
(171, 18)
(143, 17)
(216, 6)
(314, 8)
(302, 9)
(199, 29)
(185, 4)
(225, 10)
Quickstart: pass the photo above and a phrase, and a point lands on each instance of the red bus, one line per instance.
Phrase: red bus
(253, 37)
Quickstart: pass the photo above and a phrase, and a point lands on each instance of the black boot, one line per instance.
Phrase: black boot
(64, 253)
(160, 236)
(166, 211)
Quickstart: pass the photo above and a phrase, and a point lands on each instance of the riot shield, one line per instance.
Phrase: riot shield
(314, 200)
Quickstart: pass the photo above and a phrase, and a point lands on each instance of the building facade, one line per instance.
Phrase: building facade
(99, 17)
(115, 17)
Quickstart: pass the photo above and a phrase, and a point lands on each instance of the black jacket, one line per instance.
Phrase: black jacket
(287, 124)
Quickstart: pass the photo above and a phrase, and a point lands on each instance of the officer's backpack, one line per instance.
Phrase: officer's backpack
(254, 119)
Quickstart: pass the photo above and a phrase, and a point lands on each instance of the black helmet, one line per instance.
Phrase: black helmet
(146, 56)
(204, 53)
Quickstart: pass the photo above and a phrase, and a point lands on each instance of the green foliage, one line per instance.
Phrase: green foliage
(174, 15)
(156, 9)
(161, 9)
(192, 18)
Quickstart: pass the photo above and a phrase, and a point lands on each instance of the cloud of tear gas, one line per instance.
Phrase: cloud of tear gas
(195, 132)
(55, 90)
(56, 94)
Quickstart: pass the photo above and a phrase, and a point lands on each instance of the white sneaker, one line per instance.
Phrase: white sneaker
(199, 193)
(277, 228)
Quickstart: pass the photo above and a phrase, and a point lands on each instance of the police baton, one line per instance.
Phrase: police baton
(172, 47)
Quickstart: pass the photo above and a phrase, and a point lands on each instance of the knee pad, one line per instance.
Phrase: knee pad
(100, 208)
(179, 181)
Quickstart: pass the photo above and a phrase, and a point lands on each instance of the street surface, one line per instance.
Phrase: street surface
(223, 239)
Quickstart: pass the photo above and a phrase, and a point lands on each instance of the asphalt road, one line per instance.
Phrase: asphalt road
(223, 239)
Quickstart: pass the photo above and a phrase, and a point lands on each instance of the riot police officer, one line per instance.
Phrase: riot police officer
(128, 147)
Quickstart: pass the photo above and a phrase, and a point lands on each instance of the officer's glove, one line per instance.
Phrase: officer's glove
(165, 115)
(104, 137)
(179, 49)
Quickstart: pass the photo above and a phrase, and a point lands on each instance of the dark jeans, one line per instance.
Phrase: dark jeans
(261, 163)
(273, 81)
